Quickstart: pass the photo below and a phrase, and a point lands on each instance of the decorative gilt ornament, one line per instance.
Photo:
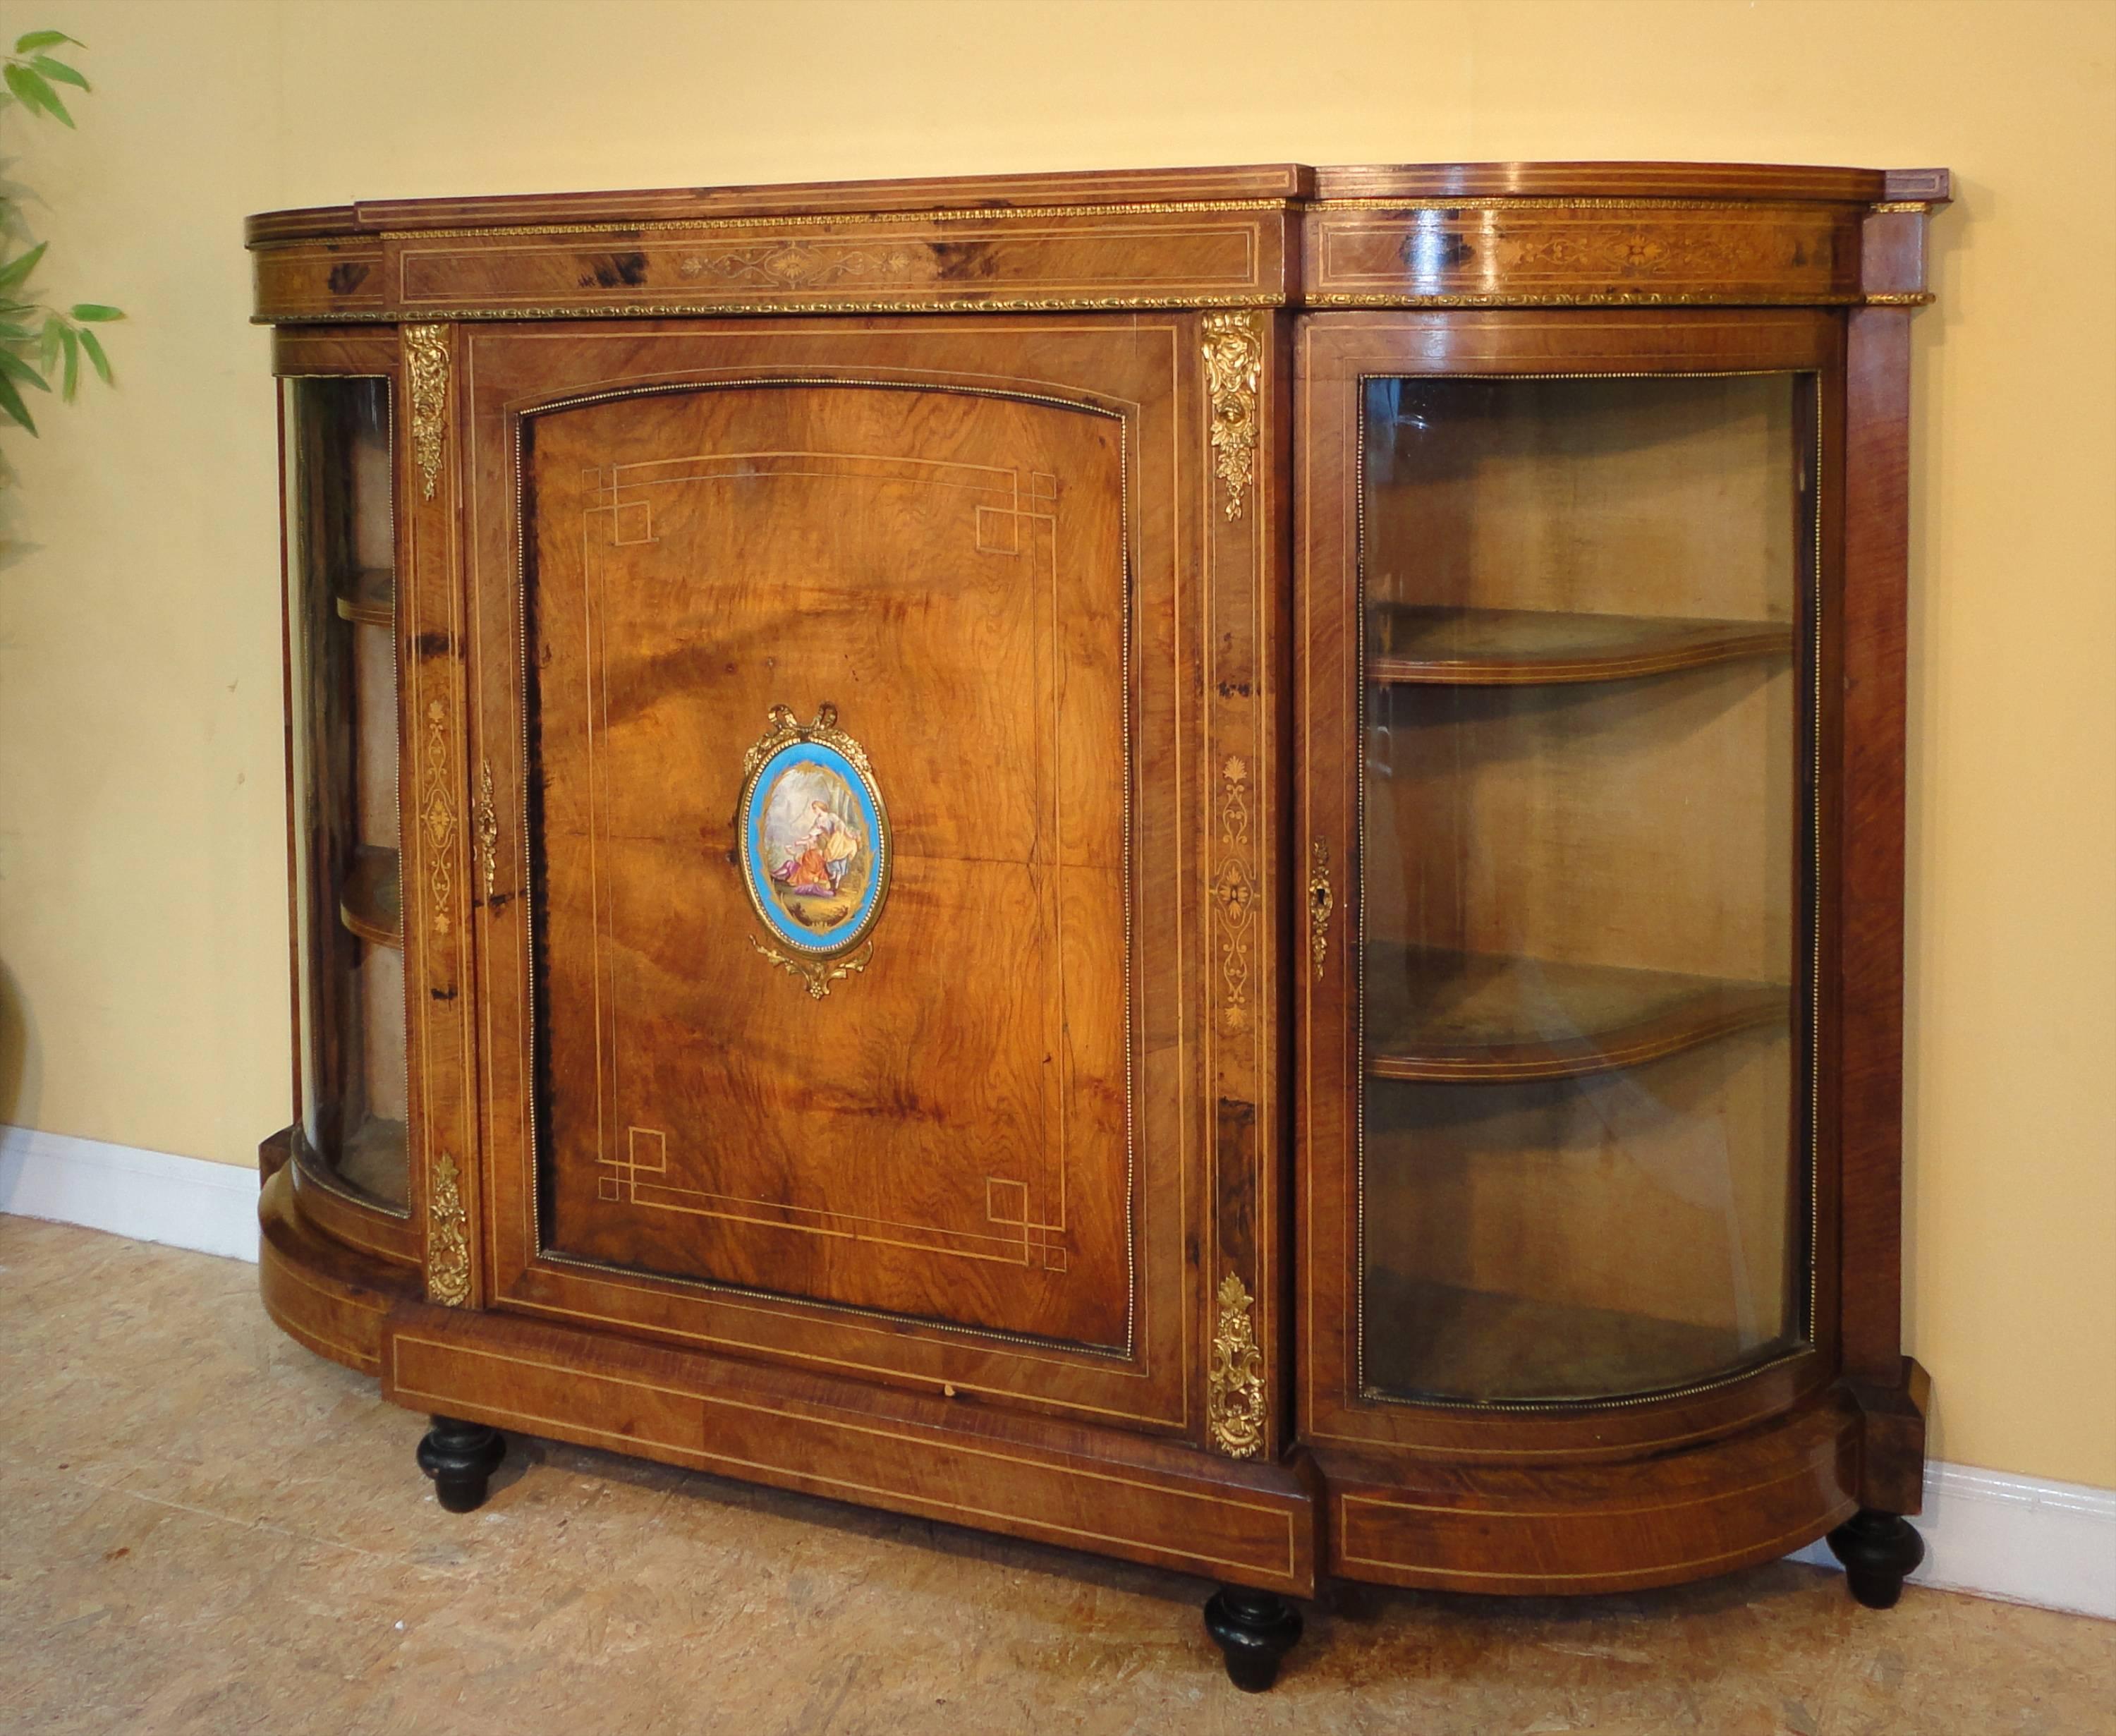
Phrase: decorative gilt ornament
(1321, 901)
(437, 813)
(426, 360)
(488, 830)
(1233, 361)
(447, 1241)
(817, 973)
(1234, 889)
(1233, 1377)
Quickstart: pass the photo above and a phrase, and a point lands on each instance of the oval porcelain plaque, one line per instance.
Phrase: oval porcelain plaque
(815, 838)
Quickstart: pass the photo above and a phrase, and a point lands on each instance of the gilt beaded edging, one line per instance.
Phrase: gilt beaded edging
(947, 214)
(765, 303)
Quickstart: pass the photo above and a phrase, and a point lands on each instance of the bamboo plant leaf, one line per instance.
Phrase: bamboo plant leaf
(12, 407)
(16, 270)
(13, 366)
(41, 346)
(29, 87)
(57, 69)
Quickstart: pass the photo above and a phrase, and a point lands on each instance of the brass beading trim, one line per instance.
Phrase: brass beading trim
(1586, 298)
(1559, 202)
(767, 304)
(946, 214)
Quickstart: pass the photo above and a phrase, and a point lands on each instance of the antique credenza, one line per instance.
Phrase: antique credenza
(1202, 864)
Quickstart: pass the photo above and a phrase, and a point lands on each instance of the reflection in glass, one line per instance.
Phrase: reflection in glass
(343, 653)
(1584, 827)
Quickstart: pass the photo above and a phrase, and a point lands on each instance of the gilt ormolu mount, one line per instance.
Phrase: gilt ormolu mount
(936, 955)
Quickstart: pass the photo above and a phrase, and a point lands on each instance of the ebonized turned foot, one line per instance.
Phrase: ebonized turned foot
(1879, 1551)
(460, 1457)
(1253, 1630)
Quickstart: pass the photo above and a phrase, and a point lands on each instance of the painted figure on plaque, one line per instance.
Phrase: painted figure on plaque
(826, 856)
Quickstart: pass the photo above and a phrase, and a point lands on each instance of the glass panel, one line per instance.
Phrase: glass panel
(343, 650)
(1585, 839)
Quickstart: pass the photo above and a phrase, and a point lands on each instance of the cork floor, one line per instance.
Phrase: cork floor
(204, 1528)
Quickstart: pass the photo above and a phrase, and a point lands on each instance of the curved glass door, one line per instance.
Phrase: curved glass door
(1585, 905)
(341, 655)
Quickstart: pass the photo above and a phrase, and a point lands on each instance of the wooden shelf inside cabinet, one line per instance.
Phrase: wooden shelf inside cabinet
(1513, 647)
(1446, 1342)
(371, 902)
(1466, 1018)
(374, 1160)
(369, 597)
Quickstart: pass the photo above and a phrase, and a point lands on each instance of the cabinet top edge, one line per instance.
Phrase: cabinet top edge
(1290, 183)
(1762, 181)
(1091, 187)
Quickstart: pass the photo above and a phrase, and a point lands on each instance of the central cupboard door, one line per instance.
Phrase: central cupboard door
(833, 667)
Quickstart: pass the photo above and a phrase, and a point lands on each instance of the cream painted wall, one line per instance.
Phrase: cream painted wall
(141, 935)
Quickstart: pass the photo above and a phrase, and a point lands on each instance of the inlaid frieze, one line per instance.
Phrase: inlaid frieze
(1535, 251)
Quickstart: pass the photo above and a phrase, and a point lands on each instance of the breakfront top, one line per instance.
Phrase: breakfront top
(1448, 235)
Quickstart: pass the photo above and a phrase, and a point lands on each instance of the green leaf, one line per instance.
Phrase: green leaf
(12, 407)
(30, 87)
(71, 339)
(57, 69)
(10, 332)
(15, 368)
(45, 39)
(94, 345)
(94, 313)
(16, 270)
(48, 345)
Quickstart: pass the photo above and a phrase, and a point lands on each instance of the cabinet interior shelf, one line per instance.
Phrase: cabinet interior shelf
(371, 901)
(369, 597)
(374, 1160)
(1445, 1341)
(1466, 1018)
(1416, 645)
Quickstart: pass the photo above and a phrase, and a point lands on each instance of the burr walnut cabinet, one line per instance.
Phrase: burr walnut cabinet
(1203, 864)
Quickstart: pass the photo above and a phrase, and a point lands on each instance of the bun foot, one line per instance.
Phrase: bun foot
(1879, 1551)
(1253, 1630)
(460, 1457)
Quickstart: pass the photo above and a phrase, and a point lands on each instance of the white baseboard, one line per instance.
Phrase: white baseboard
(149, 1195)
(2025, 1540)
(2022, 1539)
